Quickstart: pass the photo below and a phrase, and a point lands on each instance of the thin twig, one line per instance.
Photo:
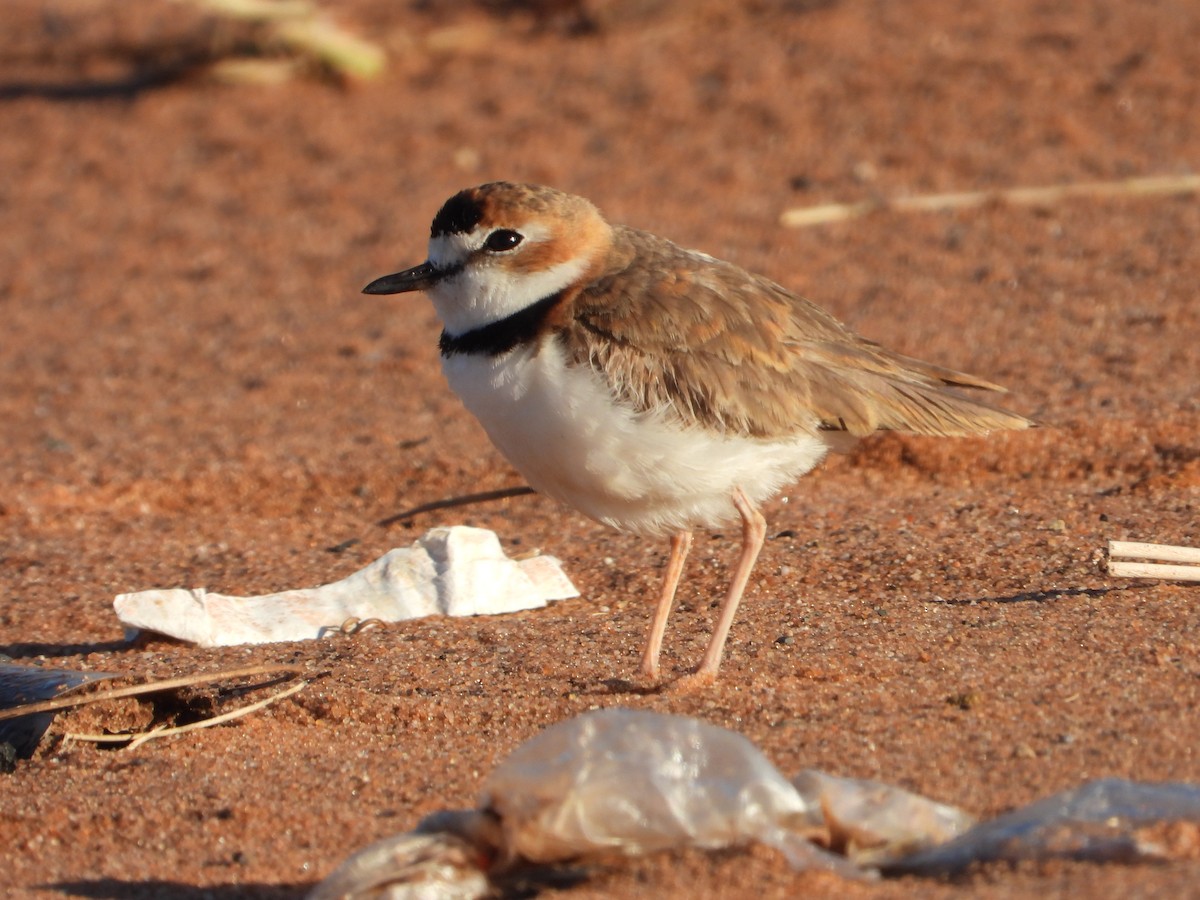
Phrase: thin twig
(151, 687)
(1020, 196)
(137, 739)
(452, 502)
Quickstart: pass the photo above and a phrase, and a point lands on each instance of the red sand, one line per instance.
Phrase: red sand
(194, 393)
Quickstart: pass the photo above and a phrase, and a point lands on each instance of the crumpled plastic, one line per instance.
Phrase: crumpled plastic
(434, 866)
(873, 823)
(456, 571)
(1107, 820)
(614, 780)
(638, 782)
(21, 684)
(629, 781)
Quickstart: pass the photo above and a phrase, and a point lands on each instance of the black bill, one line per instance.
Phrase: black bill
(418, 278)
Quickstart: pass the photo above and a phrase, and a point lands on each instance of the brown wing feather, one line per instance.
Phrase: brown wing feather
(732, 351)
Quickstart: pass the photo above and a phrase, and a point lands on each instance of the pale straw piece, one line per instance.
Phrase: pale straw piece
(1127, 559)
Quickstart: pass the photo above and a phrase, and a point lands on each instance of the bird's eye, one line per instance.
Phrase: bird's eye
(504, 239)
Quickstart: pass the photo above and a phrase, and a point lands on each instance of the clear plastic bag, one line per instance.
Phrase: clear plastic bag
(1103, 820)
(873, 823)
(635, 782)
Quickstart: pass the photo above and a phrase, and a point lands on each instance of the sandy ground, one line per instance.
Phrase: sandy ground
(194, 393)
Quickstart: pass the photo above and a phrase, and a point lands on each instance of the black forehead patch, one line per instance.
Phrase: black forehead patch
(458, 215)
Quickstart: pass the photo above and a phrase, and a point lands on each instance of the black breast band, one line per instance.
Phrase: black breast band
(502, 335)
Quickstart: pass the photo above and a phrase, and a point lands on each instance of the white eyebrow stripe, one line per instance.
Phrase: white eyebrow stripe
(453, 249)
(447, 251)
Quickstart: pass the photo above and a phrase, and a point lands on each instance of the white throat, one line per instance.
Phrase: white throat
(485, 290)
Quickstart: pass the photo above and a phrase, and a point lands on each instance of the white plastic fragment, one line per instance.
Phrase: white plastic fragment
(23, 684)
(411, 867)
(637, 782)
(1100, 821)
(612, 780)
(456, 571)
(873, 823)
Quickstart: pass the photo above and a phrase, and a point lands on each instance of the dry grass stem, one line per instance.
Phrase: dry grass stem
(136, 739)
(305, 31)
(152, 687)
(1021, 196)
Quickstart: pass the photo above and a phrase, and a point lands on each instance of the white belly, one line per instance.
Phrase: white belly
(643, 473)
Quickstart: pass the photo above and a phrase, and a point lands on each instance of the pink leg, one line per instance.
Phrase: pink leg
(681, 543)
(754, 533)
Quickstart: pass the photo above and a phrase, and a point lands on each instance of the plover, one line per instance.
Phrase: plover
(653, 388)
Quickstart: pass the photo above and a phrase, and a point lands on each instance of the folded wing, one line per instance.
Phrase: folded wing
(729, 351)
